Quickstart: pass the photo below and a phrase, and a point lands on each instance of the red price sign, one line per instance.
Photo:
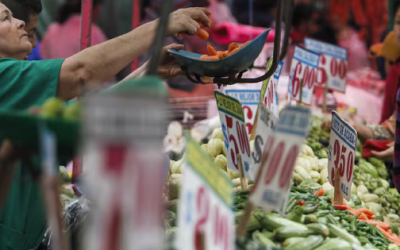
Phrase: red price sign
(235, 133)
(279, 157)
(342, 146)
(204, 208)
(303, 68)
(333, 65)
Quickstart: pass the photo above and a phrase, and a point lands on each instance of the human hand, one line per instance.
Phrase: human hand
(387, 154)
(185, 20)
(169, 67)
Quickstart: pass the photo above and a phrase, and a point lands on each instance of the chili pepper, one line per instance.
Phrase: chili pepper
(339, 207)
(302, 203)
(311, 209)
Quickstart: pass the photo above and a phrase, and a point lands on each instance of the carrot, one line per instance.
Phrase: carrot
(389, 236)
(211, 50)
(233, 51)
(203, 34)
(232, 46)
(180, 34)
(319, 192)
(244, 44)
(362, 216)
(203, 56)
(221, 54)
(209, 58)
(365, 211)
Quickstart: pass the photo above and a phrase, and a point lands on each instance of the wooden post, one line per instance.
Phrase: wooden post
(241, 228)
(338, 192)
(301, 92)
(243, 180)
(202, 241)
(324, 98)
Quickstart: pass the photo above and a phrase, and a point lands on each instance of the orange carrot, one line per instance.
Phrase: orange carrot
(221, 54)
(233, 51)
(211, 50)
(362, 216)
(244, 44)
(203, 56)
(203, 34)
(180, 34)
(232, 46)
(210, 58)
(389, 236)
(319, 192)
(365, 211)
(381, 224)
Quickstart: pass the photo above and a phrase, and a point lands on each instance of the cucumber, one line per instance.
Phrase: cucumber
(308, 243)
(343, 234)
(335, 244)
(291, 241)
(271, 223)
(288, 232)
(319, 229)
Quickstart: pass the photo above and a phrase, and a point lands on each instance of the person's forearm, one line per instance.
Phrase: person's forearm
(103, 61)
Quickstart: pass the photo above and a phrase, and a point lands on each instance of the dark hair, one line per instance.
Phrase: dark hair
(23, 9)
(301, 12)
(396, 6)
(71, 7)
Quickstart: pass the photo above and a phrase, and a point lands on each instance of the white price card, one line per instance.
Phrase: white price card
(249, 99)
(342, 147)
(303, 68)
(265, 124)
(332, 64)
(122, 147)
(236, 138)
(270, 98)
(280, 154)
(205, 204)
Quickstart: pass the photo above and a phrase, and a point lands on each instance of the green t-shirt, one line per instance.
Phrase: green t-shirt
(24, 84)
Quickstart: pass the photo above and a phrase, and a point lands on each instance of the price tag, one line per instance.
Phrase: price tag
(280, 154)
(235, 134)
(303, 68)
(342, 146)
(249, 99)
(332, 64)
(205, 204)
(265, 124)
(122, 148)
(271, 95)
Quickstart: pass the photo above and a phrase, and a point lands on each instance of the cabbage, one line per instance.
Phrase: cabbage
(315, 175)
(374, 207)
(215, 147)
(327, 187)
(217, 134)
(233, 174)
(313, 162)
(366, 198)
(236, 182)
(221, 161)
(324, 176)
(353, 188)
(322, 164)
(361, 190)
(307, 150)
(304, 163)
(302, 172)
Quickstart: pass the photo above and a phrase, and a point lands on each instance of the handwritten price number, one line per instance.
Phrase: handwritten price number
(242, 138)
(276, 161)
(340, 161)
(249, 115)
(220, 225)
(308, 78)
(269, 97)
(337, 69)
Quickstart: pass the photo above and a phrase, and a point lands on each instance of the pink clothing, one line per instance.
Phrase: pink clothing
(63, 40)
(356, 49)
(222, 12)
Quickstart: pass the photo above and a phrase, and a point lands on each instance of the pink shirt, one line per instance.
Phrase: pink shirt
(63, 40)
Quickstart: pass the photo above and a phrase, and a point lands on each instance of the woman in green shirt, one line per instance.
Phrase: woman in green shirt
(24, 84)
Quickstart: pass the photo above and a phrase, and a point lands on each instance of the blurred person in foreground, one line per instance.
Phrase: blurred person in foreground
(28, 11)
(62, 38)
(31, 83)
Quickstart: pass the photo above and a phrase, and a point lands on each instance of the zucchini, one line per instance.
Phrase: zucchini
(335, 244)
(311, 218)
(343, 234)
(271, 223)
(291, 241)
(319, 229)
(257, 236)
(308, 243)
(296, 214)
(287, 232)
